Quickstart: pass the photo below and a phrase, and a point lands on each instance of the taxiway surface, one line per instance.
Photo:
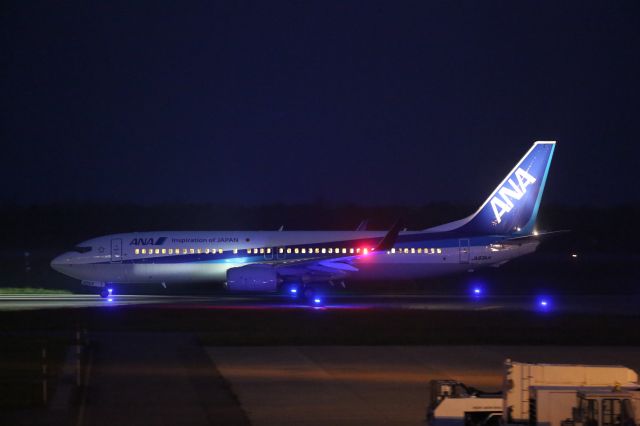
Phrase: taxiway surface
(584, 304)
(375, 385)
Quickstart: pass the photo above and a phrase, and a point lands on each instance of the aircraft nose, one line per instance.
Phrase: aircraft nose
(60, 262)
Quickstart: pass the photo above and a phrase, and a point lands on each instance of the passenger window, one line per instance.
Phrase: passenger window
(393, 251)
(261, 251)
(413, 251)
(164, 251)
(157, 251)
(344, 250)
(170, 251)
(419, 250)
(324, 251)
(351, 250)
(406, 251)
(358, 250)
(220, 251)
(144, 251)
(199, 251)
(280, 250)
(137, 251)
(288, 250)
(439, 251)
(303, 250)
(296, 250)
(235, 251)
(317, 251)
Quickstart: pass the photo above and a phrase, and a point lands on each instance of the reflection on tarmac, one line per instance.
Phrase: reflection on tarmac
(615, 304)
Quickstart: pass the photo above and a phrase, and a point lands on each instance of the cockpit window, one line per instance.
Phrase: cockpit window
(80, 249)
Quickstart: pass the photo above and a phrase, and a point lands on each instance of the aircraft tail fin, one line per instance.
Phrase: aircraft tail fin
(512, 207)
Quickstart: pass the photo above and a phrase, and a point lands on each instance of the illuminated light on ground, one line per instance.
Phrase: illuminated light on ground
(293, 291)
(318, 303)
(574, 255)
(477, 289)
(543, 304)
(110, 299)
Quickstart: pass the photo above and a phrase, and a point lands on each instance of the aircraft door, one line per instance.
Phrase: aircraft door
(268, 253)
(464, 250)
(116, 250)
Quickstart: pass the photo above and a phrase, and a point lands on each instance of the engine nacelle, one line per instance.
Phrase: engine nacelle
(252, 278)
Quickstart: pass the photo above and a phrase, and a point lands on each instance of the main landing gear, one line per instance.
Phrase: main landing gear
(106, 292)
(306, 294)
(312, 297)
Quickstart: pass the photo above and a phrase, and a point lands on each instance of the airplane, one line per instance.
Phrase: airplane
(303, 262)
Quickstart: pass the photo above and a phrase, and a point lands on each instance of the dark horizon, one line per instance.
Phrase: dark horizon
(364, 103)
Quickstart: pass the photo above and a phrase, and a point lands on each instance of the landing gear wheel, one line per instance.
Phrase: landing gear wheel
(309, 293)
(104, 293)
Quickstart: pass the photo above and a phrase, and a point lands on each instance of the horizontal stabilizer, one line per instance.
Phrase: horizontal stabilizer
(534, 237)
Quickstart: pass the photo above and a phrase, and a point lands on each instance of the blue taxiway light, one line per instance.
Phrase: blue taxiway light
(293, 290)
(317, 300)
(543, 303)
(477, 291)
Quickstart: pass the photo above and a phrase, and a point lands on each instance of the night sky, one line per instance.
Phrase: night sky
(346, 102)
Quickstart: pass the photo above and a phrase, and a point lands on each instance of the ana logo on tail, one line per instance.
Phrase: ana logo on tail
(502, 202)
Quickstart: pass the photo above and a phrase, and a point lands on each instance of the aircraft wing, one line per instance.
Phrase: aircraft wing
(330, 268)
(318, 269)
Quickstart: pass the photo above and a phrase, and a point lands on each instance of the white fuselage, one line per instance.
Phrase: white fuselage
(189, 257)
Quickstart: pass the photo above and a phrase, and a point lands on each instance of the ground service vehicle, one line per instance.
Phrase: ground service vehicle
(541, 394)
(454, 403)
(520, 378)
(615, 407)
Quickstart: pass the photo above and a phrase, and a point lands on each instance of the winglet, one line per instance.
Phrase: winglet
(363, 225)
(390, 239)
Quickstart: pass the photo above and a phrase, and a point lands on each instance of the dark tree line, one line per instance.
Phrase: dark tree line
(54, 226)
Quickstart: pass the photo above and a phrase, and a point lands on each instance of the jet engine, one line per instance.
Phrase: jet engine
(253, 278)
